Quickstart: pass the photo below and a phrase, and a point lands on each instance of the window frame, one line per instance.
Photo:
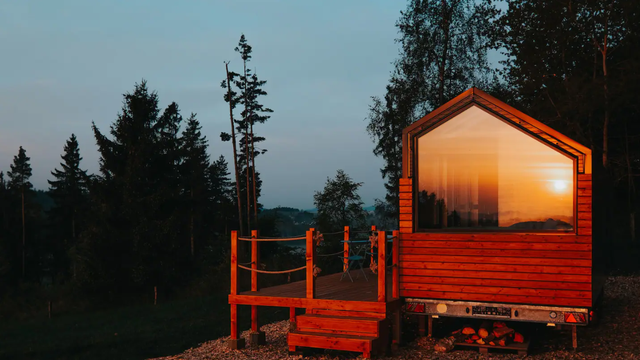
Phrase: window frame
(414, 158)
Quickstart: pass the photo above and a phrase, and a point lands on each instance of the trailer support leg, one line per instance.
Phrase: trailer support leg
(421, 326)
(574, 336)
(397, 329)
(430, 325)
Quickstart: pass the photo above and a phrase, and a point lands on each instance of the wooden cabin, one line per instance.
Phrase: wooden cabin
(496, 217)
(495, 223)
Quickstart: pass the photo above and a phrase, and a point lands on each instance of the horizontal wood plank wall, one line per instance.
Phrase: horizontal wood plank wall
(584, 204)
(406, 205)
(540, 269)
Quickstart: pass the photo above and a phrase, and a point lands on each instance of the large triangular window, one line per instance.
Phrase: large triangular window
(477, 171)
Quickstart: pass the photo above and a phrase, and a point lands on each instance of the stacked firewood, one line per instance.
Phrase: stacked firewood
(494, 333)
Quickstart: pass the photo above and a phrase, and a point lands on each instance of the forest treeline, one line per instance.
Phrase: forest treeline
(161, 207)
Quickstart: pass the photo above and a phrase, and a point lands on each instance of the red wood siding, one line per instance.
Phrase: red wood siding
(584, 208)
(406, 206)
(542, 269)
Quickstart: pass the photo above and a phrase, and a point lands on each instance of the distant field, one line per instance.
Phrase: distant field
(135, 332)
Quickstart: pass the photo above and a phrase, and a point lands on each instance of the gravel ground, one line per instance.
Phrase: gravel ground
(616, 337)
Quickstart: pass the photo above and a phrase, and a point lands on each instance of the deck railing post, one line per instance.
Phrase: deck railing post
(257, 337)
(234, 342)
(382, 266)
(345, 254)
(396, 260)
(310, 256)
(373, 230)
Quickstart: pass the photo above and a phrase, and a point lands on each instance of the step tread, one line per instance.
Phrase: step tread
(330, 335)
(340, 317)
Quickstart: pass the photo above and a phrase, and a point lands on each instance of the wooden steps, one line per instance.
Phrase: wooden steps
(365, 334)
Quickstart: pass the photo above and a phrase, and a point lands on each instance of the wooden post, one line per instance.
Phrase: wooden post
(430, 325)
(257, 337)
(421, 325)
(311, 284)
(396, 260)
(382, 266)
(574, 337)
(345, 266)
(235, 342)
(292, 318)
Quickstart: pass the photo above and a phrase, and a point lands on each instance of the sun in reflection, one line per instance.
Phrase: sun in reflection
(559, 185)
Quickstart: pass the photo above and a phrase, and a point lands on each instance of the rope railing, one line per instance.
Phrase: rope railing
(334, 233)
(276, 237)
(272, 239)
(271, 271)
(334, 254)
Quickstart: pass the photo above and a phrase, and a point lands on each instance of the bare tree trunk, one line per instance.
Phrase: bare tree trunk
(605, 126)
(23, 236)
(253, 173)
(235, 153)
(191, 225)
(445, 28)
(631, 188)
(73, 237)
(246, 147)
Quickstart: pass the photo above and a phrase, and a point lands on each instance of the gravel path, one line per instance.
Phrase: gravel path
(616, 337)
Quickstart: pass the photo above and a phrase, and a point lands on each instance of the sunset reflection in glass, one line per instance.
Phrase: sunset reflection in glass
(477, 171)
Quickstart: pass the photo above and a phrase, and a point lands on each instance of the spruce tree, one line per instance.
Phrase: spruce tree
(19, 183)
(6, 258)
(138, 228)
(69, 192)
(194, 173)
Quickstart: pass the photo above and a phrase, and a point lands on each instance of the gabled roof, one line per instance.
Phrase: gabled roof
(501, 110)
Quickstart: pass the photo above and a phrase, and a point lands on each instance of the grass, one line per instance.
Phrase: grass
(135, 332)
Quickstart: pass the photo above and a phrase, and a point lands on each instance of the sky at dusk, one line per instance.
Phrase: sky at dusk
(67, 63)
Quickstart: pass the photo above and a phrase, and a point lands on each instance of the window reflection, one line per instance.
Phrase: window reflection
(477, 171)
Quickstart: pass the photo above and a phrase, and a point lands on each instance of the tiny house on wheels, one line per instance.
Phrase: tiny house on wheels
(495, 223)
(496, 217)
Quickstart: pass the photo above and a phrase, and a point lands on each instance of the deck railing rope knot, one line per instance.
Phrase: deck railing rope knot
(316, 271)
(318, 238)
(374, 267)
(374, 240)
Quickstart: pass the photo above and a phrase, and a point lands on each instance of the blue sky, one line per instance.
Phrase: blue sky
(67, 63)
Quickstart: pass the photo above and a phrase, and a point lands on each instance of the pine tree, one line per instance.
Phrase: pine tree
(231, 97)
(339, 204)
(250, 89)
(69, 191)
(19, 183)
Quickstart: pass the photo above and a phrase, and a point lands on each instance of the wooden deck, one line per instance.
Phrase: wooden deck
(329, 287)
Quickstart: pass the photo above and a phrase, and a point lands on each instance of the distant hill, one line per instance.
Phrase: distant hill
(366, 208)
(294, 222)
